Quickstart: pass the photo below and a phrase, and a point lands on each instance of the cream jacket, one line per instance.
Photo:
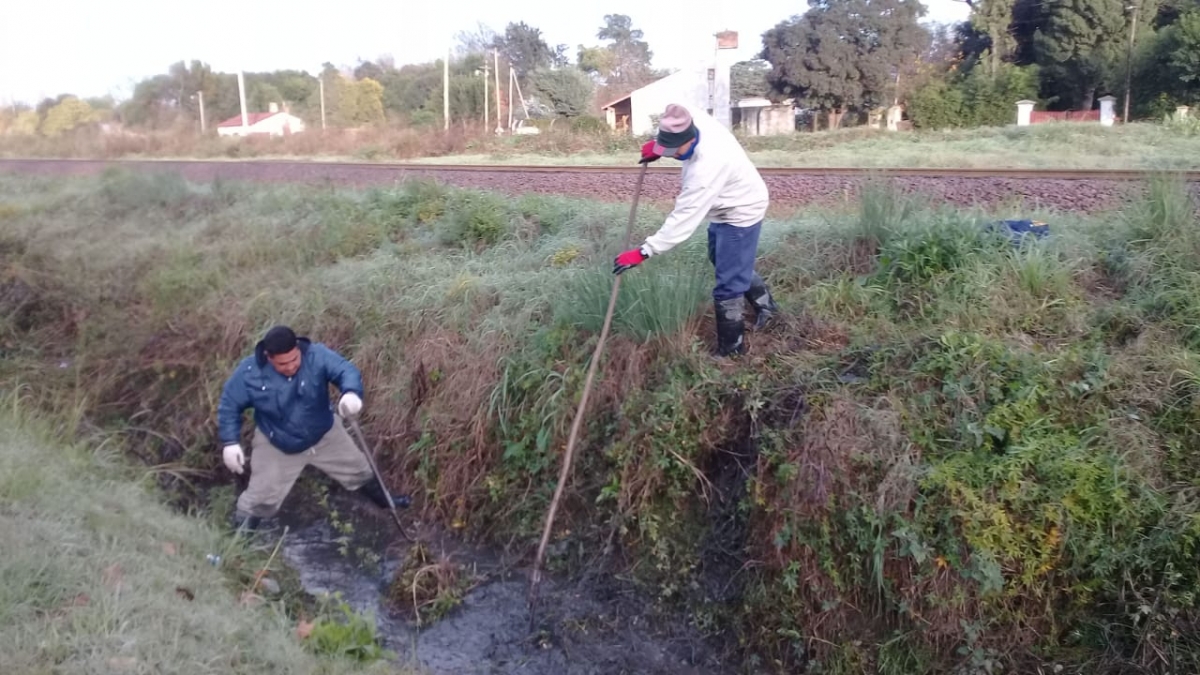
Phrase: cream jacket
(720, 185)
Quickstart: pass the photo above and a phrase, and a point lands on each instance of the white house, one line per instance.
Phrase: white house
(761, 117)
(274, 123)
(704, 85)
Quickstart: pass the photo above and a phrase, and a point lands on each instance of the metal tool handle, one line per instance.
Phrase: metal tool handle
(361, 442)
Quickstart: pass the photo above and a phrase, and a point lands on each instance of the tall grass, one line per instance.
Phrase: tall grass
(657, 298)
(954, 450)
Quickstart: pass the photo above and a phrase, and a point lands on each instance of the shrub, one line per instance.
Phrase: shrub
(477, 218)
(974, 98)
(589, 125)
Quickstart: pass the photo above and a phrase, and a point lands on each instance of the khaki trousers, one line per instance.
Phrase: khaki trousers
(273, 472)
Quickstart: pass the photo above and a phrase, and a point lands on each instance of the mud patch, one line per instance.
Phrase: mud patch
(592, 627)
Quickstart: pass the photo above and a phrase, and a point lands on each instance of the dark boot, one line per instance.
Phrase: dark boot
(730, 326)
(764, 305)
(245, 525)
(376, 494)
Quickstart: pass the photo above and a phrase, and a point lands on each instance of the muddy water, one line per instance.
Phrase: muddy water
(593, 627)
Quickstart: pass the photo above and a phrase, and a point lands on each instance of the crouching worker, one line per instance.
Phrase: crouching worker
(286, 382)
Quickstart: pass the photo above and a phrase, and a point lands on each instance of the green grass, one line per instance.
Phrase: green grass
(97, 576)
(958, 450)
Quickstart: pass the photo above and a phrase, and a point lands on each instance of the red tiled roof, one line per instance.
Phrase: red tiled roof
(251, 119)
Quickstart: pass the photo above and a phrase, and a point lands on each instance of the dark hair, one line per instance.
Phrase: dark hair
(279, 340)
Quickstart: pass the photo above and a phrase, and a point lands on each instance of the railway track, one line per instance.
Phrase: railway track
(1056, 189)
(422, 167)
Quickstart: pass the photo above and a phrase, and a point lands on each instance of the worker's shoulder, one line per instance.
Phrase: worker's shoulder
(246, 367)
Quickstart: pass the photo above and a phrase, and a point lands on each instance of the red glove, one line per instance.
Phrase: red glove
(628, 259)
(648, 153)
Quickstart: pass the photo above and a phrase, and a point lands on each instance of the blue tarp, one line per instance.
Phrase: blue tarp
(1018, 230)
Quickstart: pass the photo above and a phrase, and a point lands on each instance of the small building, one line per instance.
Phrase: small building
(704, 86)
(274, 122)
(761, 117)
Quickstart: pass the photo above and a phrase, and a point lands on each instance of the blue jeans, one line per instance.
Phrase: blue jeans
(732, 251)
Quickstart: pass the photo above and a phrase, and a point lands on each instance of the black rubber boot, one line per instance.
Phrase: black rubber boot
(375, 493)
(764, 305)
(246, 524)
(730, 327)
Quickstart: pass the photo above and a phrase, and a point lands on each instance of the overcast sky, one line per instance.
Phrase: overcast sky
(92, 48)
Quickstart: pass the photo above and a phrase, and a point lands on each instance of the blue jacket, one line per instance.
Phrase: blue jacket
(293, 412)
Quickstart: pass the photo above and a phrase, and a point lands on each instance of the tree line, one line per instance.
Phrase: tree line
(553, 83)
(839, 57)
(844, 56)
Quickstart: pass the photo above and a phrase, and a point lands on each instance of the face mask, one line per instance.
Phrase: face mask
(691, 151)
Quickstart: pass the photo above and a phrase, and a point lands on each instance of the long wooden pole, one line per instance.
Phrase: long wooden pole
(569, 455)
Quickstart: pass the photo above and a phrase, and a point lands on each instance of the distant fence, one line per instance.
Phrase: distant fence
(1041, 116)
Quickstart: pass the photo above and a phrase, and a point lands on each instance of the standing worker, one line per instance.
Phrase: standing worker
(286, 382)
(720, 184)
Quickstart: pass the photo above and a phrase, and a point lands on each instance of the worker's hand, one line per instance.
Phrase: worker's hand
(350, 404)
(648, 153)
(234, 459)
(628, 259)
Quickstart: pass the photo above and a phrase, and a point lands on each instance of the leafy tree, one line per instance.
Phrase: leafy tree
(260, 95)
(1182, 51)
(1082, 46)
(46, 104)
(940, 60)
(1169, 11)
(748, 79)
(103, 107)
(25, 124)
(844, 54)
(1029, 16)
(973, 44)
(1168, 67)
(624, 62)
(69, 114)
(567, 92)
(523, 48)
(596, 61)
(356, 102)
(368, 69)
(994, 18)
(479, 41)
(153, 103)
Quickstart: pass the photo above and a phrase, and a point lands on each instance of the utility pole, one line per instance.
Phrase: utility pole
(487, 122)
(510, 92)
(242, 96)
(446, 91)
(203, 126)
(496, 56)
(321, 83)
(519, 94)
(1129, 59)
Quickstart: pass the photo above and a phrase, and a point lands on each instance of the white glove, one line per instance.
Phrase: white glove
(350, 404)
(234, 459)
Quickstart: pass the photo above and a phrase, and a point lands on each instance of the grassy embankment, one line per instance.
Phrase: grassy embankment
(98, 576)
(953, 454)
(1173, 146)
